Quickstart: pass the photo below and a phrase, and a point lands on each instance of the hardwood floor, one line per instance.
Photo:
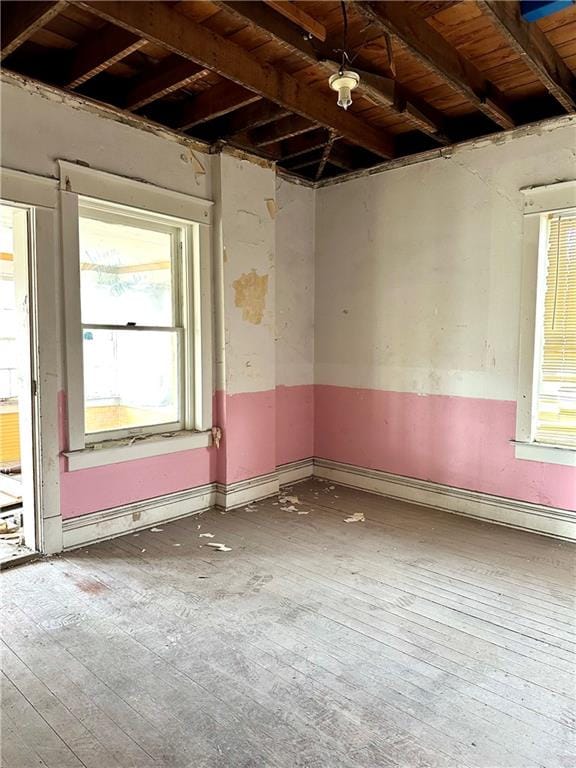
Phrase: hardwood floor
(414, 638)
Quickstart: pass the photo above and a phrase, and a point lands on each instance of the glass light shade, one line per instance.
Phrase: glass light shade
(344, 83)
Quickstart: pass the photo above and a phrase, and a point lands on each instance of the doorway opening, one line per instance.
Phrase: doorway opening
(18, 529)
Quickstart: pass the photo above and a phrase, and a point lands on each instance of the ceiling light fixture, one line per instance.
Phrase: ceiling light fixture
(345, 80)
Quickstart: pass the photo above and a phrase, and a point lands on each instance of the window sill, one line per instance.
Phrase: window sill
(117, 451)
(550, 454)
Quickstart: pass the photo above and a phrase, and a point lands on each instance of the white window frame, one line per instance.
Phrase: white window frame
(78, 186)
(539, 202)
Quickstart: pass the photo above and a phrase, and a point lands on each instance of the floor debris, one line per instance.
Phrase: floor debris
(176, 545)
(206, 536)
(303, 511)
(251, 508)
(156, 530)
(219, 547)
(289, 500)
(290, 508)
(357, 517)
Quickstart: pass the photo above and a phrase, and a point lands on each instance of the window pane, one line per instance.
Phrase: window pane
(125, 274)
(556, 417)
(130, 379)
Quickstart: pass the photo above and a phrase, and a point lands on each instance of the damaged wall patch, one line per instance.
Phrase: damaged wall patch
(250, 291)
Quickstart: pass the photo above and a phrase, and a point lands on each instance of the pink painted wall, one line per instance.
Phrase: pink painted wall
(248, 447)
(458, 441)
(294, 423)
(98, 488)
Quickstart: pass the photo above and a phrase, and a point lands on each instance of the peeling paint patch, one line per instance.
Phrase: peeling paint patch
(250, 296)
(199, 167)
(272, 208)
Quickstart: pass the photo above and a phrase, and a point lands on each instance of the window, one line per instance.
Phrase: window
(556, 404)
(132, 282)
(138, 318)
(8, 333)
(546, 412)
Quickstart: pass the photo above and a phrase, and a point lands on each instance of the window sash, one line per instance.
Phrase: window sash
(146, 429)
(554, 417)
(180, 279)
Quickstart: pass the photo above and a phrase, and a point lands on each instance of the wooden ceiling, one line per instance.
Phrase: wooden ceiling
(255, 74)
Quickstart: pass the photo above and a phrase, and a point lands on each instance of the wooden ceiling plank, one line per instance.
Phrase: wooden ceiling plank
(22, 19)
(99, 51)
(298, 16)
(164, 26)
(212, 103)
(382, 91)
(286, 128)
(535, 50)
(433, 50)
(171, 74)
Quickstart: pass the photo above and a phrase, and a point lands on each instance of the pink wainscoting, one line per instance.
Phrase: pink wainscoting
(248, 447)
(91, 490)
(457, 441)
(294, 423)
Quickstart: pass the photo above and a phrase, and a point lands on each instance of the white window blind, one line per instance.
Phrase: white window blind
(556, 412)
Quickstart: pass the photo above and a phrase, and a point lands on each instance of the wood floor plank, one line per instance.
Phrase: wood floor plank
(414, 639)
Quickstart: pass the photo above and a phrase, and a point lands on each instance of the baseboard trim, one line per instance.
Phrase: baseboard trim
(109, 523)
(549, 521)
(244, 491)
(295, 471)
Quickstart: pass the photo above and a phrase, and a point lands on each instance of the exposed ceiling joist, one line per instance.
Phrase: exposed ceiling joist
(20, 21)
(286, 128)
(325, 156)
(212, 103)
(101, 50)
(299, 145)
(171, 74)
(380, 90)
(300, 17)
(253, 116)
(533, 46)
(429, 47)
(164, 26)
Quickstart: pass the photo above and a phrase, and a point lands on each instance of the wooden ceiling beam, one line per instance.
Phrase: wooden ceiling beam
(171, 74)
(429, 47)
(286, 128)
(20, 20)
(535, 49)
(212, 103)
(381, 90)
(294, 13)
(100, 50)
(163, 25)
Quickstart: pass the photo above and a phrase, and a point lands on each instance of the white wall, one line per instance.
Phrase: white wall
(295, 222)
(418, 270)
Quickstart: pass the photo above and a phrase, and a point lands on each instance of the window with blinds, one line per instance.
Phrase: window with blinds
(556, 408)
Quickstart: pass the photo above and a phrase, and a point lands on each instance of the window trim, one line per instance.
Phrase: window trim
(538, 203)
(194, 216)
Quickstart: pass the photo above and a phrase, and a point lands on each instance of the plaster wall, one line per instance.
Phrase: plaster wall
(295, 222)
(417, 307)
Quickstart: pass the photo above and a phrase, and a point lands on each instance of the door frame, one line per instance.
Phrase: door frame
(39, 195)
